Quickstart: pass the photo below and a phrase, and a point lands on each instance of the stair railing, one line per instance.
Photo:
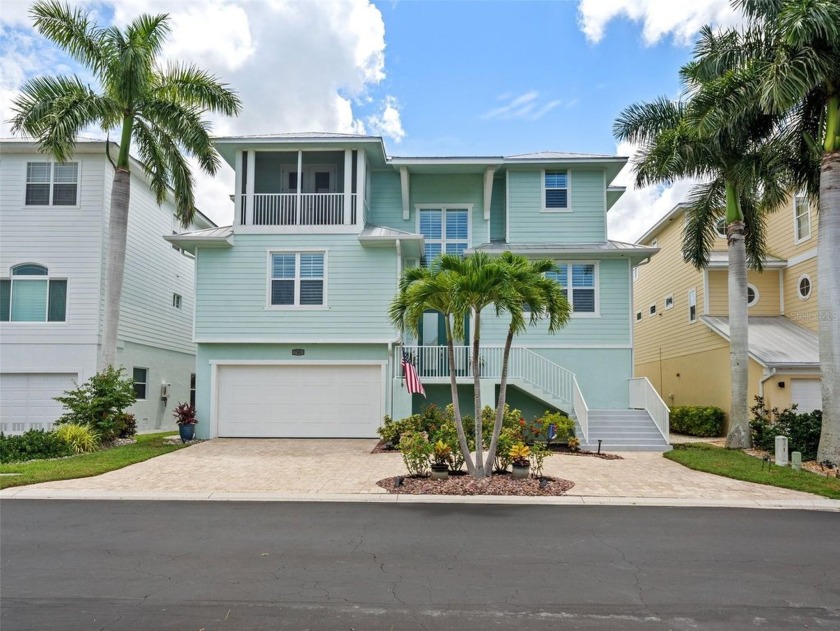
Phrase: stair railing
(581, 410)
(643, 396)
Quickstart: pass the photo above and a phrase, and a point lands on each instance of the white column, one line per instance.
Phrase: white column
(249, 188)
(361, 174)
(237, 191)
(298, 218)
(348, 186)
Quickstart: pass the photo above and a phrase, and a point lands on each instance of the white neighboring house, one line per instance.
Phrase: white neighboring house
(53, 249)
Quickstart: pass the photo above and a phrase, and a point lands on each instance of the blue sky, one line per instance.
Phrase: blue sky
(432, 77)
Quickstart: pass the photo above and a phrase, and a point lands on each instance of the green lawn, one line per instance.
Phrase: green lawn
(86, 465)
(732, 463)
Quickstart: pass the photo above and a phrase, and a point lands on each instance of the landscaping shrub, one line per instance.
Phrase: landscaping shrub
(99, 402)
(448, 434)
(801, 430)
(697, 420)
(416, 449)
(126, 425)
(33, 445)
(81, 438)
(541, 429)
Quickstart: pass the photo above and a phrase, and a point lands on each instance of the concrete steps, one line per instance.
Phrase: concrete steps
(624, 430)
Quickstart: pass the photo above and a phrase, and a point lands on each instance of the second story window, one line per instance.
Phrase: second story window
(297, 279)
(445, 230)
(556, 190)
(52, 183)
(30, 295)
(692, 305)
(579, 284)
(802, 219)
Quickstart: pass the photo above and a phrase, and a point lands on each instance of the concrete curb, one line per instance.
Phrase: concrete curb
(24, 493)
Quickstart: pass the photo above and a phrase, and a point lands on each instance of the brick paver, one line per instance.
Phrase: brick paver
(339, 466)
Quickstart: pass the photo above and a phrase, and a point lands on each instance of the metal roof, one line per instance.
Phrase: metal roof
(380, 232)
(775, 341)
(720, 260)
(562, 155)
(615, 248)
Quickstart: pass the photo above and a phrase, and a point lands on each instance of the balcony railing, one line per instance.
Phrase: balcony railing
(305, 209)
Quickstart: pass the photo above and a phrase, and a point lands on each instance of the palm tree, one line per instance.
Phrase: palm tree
(423, 289)
(543, 298)
(789, 63)
(158, 109)
(741, 166)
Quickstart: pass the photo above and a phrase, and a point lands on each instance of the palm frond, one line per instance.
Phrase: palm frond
(705, 208)
(193, 87)
(71, 30)
(184, 125)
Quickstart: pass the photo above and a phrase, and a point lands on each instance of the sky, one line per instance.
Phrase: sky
(432, 77)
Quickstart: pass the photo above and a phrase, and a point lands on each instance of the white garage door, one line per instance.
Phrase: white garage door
(26, 400)
(303, 401)
(807, 393)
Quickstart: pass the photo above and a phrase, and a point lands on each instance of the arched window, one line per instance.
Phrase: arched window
(30, 295)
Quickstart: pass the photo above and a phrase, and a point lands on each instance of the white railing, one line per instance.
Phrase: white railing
(643, 396)
(306, 209)
(543, 373)
(581, 411)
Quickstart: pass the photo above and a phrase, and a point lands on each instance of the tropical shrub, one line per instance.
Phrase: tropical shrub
(99, 402)
(35, 444)
(574, 443)
(81, 438)
(441, 453)
(539, 452)
(126, 425)
(448, 434)
(184, 414)
(388, 431)
(416, 449)
(508, 437)
(801, 430)
(696, 420)
(519, 455)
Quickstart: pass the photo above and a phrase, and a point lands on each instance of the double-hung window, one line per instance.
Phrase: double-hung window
(30, 295)
(445, 230)
(297, 279)
(802, 218)
(556, 190)
(52, 183)
(579, 285)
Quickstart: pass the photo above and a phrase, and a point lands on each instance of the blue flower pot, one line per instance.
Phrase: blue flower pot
(187, 432)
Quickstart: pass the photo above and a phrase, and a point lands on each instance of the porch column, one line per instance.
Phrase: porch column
(298, 218)
(361, 175)
(249, 188)
(348, 186)
(238, 201)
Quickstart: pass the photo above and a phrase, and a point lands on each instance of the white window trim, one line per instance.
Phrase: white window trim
(796, 238)
(652, 310)
(750, 305)
(52, 183)
(718, 233)
(295, 307)
(49, 277)
(443, 208)
(177, 300)
(692, 293)
(635, 274)
(145, 383)
(570, 292)
(639, 316)
(667, 298)
(568, 207)
(810, 287)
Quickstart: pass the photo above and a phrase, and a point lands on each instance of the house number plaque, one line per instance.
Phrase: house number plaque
(297, 352)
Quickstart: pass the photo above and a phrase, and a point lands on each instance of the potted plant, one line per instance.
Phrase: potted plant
(185, 417)
(519, 455)
(441, 459)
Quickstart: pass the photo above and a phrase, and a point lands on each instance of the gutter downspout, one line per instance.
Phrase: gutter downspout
(770, 374)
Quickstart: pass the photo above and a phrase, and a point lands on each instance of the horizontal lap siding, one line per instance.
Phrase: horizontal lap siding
(584, 224)
(66, 239)
(233, 284)
(154, 271)
(766, 282)
(612, 328)
(386, 202)
(803, 312)
(497, 210)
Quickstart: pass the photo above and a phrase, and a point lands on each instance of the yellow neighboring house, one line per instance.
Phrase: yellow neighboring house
(681, 324)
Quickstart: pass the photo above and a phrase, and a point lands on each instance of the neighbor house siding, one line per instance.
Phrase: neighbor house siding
(766, 282)
(803, 312)
(232, 287)
(584, 223)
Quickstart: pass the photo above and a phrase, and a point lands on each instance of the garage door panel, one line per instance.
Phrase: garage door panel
(807, 394)
(26, 400)
(300, 401)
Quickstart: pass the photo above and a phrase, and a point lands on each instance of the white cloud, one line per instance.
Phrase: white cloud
(524, 106)
(298, 66)
(640, 208)
(388, 122)
(680, 19)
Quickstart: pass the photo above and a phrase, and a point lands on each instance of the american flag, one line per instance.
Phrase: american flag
(412, 381)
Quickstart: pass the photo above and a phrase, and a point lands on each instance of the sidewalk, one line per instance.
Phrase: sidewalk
(345, 470)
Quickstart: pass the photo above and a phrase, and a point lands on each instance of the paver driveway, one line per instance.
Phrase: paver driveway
(311, 467)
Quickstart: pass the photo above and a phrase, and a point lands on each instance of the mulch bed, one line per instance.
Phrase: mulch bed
(556, 448)
(498, 484)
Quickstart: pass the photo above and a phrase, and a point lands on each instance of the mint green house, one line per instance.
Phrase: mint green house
(291, 326)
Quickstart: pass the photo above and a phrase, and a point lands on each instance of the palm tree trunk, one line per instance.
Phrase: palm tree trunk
(738, 436)
(828, 274)
(500, 404)
(476, 367)
(115, 266)
(453, 381)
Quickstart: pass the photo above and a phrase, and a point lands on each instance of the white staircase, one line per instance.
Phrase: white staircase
(624, 430)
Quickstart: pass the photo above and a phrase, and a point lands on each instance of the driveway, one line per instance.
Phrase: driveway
(227, 468)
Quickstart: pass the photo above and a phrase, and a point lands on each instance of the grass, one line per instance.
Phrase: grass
(732, 463)
(86, 465)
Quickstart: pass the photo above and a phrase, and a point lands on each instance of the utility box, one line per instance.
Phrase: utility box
(781, 451)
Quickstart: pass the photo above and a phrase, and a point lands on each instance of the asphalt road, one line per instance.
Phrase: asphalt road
(220, 566)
